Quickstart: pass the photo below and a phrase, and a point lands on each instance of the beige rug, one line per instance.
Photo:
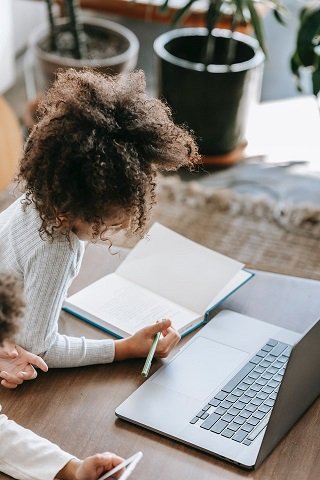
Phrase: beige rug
(262, 234)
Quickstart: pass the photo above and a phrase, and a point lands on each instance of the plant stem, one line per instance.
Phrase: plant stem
(53, 30)
(76, 28)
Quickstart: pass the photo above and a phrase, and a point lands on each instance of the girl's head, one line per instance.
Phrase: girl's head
(11, 306)
(93, 156)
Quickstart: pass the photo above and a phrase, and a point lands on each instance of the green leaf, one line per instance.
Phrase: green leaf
(257, 25)
(182, 11)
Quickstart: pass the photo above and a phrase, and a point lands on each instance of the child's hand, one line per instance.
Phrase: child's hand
(139, 344)
(16, 365)
(91, 468)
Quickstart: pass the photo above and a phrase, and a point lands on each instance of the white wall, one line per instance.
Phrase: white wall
(7, 74)
(27, 14)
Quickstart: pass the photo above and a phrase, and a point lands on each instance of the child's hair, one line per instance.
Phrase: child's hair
(97, 147)
(11, 306)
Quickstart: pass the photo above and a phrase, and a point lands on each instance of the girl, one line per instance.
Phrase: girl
(89, 169)
(23, 454)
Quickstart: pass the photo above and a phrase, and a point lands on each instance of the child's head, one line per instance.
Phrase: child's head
(11, 306)
(96, 149)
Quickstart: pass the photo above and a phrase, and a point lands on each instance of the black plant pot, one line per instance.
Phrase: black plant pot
(212, 100)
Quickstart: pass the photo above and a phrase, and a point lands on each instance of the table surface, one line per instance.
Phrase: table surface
(10, 143)
(75, 407)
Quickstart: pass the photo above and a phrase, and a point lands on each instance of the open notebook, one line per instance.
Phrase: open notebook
(164, 276)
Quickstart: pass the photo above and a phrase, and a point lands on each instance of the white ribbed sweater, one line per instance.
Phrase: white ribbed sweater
(46, 269)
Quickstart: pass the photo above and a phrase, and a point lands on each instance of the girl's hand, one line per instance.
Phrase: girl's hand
(138, 345)
(90, 468)
(16, 365)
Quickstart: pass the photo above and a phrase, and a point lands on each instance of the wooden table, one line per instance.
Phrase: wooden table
(75, 407)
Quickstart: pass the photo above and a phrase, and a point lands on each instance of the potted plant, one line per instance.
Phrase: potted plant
(82, 41)
(209, 75)
(307, 49)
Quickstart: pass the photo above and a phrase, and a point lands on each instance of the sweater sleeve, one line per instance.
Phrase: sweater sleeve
(47, 276)
(26, 456)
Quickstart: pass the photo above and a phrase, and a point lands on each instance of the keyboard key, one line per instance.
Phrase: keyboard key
(251, 393)
(206, 407)
(261, 381)
(273, 383)
(194, 420)
(220, 395)
(252, 421)
(273, 396)
(228, 418)
(254, 375)
(245, 398)
(256, 401)
(243, 386)
(255, 387)
(239, 405)
(246, 442)
(237, 392)
(264, 408)
(277, 364)
(267, 348)
(238, 378)
(287, 352)
(269, 402)
(255, 360)
(234, 426)
(204, 415)
(240, 420)
(199, 415)
(232, 398)
(258, 414)
(214, 402)
(259, 369)
(220, 410)
(248, 380)
(272, 370)
(266, 375)
(272, 342)
(226, 404)
(265, 364)
(282, 359)
(210, 421)
(267, 389)
(233, 411)
(227, 433)
(245, 413)
(239, 436)
(279, 349)
(251, 407)
(262, 395)
(219, 426)
(262, 353)
(252, 435)
(247, 428)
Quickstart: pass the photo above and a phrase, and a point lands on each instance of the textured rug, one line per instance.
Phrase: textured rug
(262, 233)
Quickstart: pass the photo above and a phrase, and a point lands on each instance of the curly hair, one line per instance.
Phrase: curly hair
(11, 306)
(98, 145)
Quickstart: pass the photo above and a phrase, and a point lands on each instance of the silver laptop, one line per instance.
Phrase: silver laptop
(234, 390)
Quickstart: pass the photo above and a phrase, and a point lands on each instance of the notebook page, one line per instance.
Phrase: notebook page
(178, 269)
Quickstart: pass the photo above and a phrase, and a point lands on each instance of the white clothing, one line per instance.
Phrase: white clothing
(46, 269)
(26, 456)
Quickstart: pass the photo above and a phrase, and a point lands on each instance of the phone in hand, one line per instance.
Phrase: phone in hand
(129, 465)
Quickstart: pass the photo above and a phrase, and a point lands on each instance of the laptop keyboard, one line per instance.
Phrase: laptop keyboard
(242, 408)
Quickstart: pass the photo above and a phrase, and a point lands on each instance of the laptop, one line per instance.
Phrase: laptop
(234, 390)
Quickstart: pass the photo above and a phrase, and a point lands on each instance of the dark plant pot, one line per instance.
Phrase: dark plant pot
(122, 57)
(214, 100)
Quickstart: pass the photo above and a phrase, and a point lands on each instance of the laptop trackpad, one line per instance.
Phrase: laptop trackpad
(200, 368)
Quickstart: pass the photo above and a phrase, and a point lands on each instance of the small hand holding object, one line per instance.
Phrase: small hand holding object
(16, 365)
(91, 468)
(139, 344)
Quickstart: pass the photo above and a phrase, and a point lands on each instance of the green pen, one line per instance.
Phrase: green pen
(147, 364)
